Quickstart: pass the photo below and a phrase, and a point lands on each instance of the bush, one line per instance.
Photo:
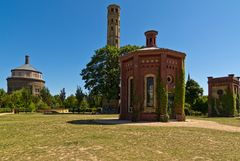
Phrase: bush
(195, 113)
(164, 118)
(5, 110)
(42, 106)
(187, 109)
(201, 105)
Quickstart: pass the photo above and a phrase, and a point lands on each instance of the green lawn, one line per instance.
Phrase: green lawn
(233, 121)
(50, 137)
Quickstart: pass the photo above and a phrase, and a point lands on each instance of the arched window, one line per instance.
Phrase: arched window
(130, 94)
(149, 91)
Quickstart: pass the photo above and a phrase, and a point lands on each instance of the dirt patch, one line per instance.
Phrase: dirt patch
(1, 114)
(187, 123)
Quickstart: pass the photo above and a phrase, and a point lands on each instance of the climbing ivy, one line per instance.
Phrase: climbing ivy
(179, 99)
(226, 105)
(137, 105)
(162, 101)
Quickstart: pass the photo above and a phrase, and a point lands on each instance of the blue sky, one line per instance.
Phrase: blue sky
(61, 35)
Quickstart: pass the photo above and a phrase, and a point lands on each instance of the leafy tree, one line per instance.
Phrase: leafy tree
(57, 101)
(201, 105)
(79, 95)
(193, 91)
(62, 95)
(2, 97)
(84, 104)
(71, 102)
(102, 73)
(15, 101)
(46, 96)
(26, 98)
(94, 100)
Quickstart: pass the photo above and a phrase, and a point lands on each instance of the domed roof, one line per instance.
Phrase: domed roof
(27, 66)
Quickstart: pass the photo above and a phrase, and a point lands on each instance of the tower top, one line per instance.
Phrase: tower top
(27, 59)
(113, 5)
(113, 27)
(151, 38)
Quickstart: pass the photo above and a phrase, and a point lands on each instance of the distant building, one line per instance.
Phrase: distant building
(140, 71)
(113, 26)
(223, 96)
(25, 76)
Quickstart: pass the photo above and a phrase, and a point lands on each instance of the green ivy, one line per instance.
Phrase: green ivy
(229, 104)
(226, 105)
(179, 99)
(162, 101)
(137, 105)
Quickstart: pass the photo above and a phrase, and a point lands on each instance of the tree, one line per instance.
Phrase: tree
(15, 101)
(62, 95)
(2, 97)
(193, 91)
(26, 98)
(46, 96)
(94, 100)
(57, 102)
(79, 95)
(201, 105)
(71, 102)
(84, 104)
(102, 73)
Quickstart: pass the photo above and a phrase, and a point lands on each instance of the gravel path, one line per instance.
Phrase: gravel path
(188, 123)
(1, 114)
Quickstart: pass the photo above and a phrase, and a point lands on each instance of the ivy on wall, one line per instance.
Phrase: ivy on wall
(226, 105)
(179, 99)
(162, 101)
(137, 105)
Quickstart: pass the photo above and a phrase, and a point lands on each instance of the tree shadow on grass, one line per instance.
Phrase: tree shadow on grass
(99, 122)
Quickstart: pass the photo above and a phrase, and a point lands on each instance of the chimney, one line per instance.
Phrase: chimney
(151, 38)
(26, 59)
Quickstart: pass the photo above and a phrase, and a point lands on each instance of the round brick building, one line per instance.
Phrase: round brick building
(25, 76)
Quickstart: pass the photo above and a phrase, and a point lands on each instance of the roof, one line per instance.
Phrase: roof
(27, 67)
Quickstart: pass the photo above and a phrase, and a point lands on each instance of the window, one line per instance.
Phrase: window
(116, 10)
(37, 90)
(111, 28)
(116, 41)
(150, 91)
(130, 94)
(112, 10)
(170, 79)
(112, 20)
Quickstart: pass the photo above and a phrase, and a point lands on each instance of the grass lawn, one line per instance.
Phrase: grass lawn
(50, 137)
(233, 121)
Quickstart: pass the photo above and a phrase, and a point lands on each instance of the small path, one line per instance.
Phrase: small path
(1, 114)
(187, 123)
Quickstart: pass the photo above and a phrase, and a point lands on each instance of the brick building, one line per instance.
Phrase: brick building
(25, 76)
(223, 96)
(139, 72)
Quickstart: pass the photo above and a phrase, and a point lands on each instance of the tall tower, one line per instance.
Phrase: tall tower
(113, 28)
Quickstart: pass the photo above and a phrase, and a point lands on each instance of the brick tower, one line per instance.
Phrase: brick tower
(113, 28)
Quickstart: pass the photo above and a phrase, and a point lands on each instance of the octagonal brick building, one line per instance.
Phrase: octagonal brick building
(139, 72)
(25, 76)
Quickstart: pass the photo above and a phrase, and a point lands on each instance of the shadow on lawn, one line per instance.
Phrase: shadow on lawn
(99, 122)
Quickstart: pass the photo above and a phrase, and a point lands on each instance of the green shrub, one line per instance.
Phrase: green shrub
(5, 110)
(187, 109)
(94, 110)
